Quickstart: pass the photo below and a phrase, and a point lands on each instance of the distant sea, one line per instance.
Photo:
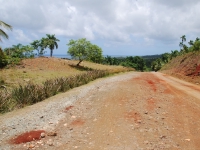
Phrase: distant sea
(69, 57)
(59, 56)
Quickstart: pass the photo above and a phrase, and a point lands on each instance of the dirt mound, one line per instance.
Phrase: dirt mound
(186, 67)
(45, 63)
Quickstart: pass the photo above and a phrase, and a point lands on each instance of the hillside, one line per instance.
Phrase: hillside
(40, 69)
(186, 67)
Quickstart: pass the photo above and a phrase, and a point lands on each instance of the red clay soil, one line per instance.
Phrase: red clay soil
(45, 63)
(197, 71)
(27, 137)
(68, 108)
(77, 122)
(152, 84)
(186, 67)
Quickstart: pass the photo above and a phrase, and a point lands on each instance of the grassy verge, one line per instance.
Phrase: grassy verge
(31, 93)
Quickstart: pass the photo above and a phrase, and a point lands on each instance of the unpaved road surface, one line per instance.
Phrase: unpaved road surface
(131, 111)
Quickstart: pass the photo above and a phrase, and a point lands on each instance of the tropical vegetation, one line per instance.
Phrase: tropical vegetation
(193, 46)
(2, 32)
(82, 49)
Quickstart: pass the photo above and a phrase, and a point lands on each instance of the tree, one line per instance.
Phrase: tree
(174, 53)
(95, 54)
(3, 33)
(51, 42)
(196, 46)
(19, 51)
(3, 61)
(185, 48)
(183, 38)
(83, 50)
(136, 62)
(108, 60)
(165, 57)
(38, 45)
(156, 65)
(191, 43)
(181, 44)
(197, 39)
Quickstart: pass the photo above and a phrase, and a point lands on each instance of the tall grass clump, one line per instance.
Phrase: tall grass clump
(31, 93)
(28, 94)
(6, 102)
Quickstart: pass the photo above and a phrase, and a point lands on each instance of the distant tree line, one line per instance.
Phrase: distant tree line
(135, 62)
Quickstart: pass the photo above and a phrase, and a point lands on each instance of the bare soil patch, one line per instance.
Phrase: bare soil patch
(27, 137)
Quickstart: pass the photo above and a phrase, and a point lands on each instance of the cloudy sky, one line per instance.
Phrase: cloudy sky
(119, 27)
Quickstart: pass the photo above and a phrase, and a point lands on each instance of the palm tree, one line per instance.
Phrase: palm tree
(3, 33)
(183, 38)
(174, 53)
(51, 42)
(181, 44)
(191, 43)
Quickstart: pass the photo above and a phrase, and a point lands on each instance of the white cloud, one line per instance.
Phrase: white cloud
(20, 36)
(116, 21)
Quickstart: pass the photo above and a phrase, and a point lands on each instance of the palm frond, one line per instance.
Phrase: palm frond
(3, 34)
(5, 25)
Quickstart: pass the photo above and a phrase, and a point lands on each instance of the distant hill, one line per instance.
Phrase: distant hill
(151, 56)
(186, 67)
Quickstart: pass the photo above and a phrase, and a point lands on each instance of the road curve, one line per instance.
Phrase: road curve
(124, 112)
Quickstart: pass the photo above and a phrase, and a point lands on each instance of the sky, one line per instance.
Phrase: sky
(119, 27)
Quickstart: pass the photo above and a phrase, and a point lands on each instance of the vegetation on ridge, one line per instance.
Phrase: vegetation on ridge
(194, 46)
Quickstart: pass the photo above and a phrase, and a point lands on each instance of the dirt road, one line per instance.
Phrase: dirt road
(132, 111)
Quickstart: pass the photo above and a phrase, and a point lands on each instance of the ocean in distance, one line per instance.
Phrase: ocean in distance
(69, 57)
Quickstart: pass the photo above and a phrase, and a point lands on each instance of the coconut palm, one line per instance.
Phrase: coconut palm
(3, 33)
(51, 42)
(181, 44)
(183, 38)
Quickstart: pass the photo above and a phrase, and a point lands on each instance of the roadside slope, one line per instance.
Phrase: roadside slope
(186, 67)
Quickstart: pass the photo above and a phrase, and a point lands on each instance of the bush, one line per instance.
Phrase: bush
(3, 60)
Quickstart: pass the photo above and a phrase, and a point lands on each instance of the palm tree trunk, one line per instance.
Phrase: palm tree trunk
(51, 52)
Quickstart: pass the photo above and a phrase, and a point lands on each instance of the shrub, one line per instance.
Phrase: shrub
(3, 60)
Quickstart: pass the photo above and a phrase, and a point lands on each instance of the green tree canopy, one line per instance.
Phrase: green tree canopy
(95, 54)
(82, 49)
(39, 46)
(3, 33)
(50, 42)
(156, 65)
(135, 62)
(19, 51)
(165, 57)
